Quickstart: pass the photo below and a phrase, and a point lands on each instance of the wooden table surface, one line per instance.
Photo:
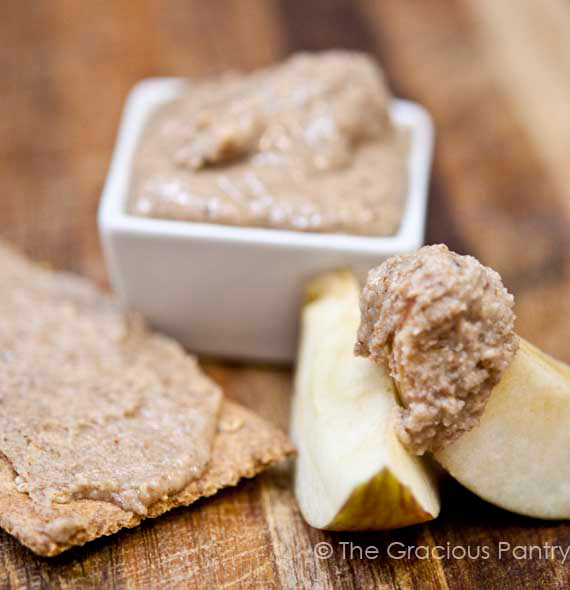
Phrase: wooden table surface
(495, 75)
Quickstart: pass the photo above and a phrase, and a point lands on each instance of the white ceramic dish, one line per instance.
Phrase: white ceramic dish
(231, 291)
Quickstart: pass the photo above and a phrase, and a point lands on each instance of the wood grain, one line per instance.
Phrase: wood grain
(495, 75)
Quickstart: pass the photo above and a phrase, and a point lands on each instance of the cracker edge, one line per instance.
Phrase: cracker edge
(249, 445)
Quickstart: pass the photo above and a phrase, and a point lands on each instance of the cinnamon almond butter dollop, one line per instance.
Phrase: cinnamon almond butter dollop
(443, 324)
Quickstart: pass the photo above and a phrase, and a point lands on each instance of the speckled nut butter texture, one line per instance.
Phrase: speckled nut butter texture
(306, 145)
(444, 326)
(92, 406)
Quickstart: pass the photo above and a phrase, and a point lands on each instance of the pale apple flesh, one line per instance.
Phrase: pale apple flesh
(519, 456)
(352, 472)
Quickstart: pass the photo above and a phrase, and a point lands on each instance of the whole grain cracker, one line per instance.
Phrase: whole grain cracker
(243, 446)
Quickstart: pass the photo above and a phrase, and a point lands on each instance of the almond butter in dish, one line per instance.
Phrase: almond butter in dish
(305, 145)
(102, 422)
(269, 177)
(424, 360)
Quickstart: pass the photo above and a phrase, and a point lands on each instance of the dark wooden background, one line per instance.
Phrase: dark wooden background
(495, 75)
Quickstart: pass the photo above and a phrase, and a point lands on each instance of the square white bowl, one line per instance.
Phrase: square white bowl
(235, 292)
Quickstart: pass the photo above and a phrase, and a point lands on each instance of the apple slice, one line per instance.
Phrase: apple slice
(518, 457)
(352, 473)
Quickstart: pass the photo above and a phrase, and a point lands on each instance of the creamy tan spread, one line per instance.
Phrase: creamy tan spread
(92, 406)
(444, 326)
(306, 145)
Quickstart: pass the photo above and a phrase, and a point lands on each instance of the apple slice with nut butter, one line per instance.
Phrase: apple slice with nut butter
(518, 457)
(446, 374)
(352, 472)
